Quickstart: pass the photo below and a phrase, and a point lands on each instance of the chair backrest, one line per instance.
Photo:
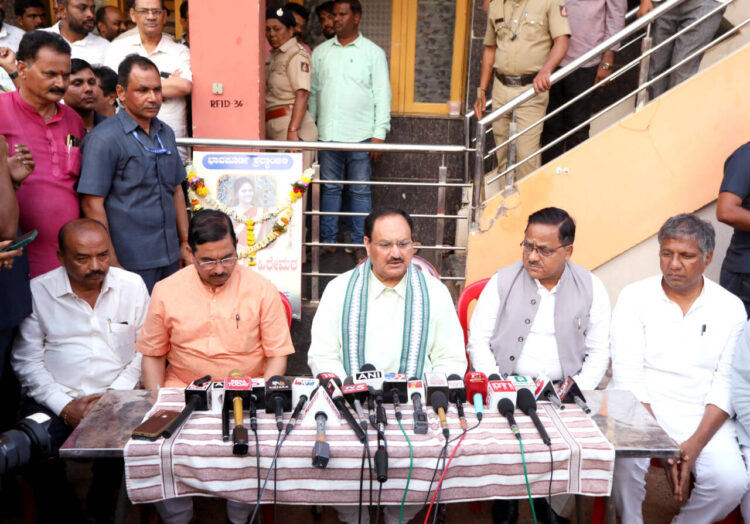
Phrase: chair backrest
(287, 307)
(425, 266)
(467, 296)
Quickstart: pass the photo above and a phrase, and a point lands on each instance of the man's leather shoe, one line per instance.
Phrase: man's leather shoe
(505, 512)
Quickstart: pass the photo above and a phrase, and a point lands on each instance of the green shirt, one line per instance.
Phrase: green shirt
(350, 98)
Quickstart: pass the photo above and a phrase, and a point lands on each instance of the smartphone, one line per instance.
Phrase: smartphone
(152, 427)
(21, 242)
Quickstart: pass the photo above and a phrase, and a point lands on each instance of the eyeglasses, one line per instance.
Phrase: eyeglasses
(161, 150)
(545, 252)
(386, 245)
(225, 262)
(155, 12)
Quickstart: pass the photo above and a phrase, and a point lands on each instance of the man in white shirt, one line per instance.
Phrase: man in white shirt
(542, 315)
(78, 342)
(362, 318)
(75, 26)
(10, 37)
(561, 328)
(673, 337)
(172, 59)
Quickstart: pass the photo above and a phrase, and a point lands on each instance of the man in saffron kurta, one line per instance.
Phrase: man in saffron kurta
(53, 132)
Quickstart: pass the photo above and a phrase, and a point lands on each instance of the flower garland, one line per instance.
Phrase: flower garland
(281, 213)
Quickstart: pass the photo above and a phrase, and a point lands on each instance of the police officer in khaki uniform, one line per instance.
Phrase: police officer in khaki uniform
(288, 80)
(524, 42)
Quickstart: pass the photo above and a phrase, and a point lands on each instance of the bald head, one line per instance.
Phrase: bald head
(70, 231)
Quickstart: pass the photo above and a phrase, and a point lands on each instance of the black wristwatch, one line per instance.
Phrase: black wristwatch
(13, 75)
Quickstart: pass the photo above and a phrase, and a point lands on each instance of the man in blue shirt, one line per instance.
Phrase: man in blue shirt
(131, 179)
(351, 102)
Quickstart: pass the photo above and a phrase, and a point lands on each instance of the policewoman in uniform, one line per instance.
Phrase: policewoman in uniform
(524, 42)
(288, 79)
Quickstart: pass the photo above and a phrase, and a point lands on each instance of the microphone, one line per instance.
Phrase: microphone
(257, 400)
(279, 398)
(523, 381)
(325, 378)
(416, 394)
(381, 421)
(527, 404)
(476, 389)
(435, 382)
(321, 449)
(239, 434)
(545, 390)
(440, 404)
(334, 392)
(457, 395)
(355, 394)
(196, 399)
(394, 391)
(499, 389)
(570, 393)
(506, 409)
(374, 379)
(302, 390)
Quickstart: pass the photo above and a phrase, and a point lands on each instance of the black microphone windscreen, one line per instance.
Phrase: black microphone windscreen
(413, 378)
(367, 367)
(454, 376)
(439, 400)
(525, 400)
(505, 407)
(494, 376)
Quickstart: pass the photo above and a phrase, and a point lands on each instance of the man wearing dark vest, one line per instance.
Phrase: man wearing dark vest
(543, 315)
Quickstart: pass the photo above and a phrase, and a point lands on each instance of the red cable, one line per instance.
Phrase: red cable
(437, 489)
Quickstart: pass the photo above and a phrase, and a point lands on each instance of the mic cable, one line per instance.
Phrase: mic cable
(279, 442)
(411, 465)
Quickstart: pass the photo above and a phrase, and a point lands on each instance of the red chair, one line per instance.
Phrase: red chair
(467, 296)
(287, 307)
(425, 266)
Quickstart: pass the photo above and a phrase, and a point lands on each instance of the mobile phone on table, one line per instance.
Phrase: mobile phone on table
(21, 242)
(152, 427)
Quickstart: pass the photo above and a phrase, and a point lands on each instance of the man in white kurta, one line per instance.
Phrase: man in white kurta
(673, 337)
(432, 341)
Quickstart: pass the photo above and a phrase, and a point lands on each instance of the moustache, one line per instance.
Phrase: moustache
(95, 273)
(534, 265)
(219, 275)
(57, 90)
(392, 260)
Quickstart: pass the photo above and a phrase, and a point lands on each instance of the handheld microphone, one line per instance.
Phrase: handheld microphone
(570, 393)
(374, 379)
(527, 404)
(239, 433)
(545, 390)
(506, 409)
(457, 395)
(338, 400)
(355, 394)
(435, 382)
(440, 404)
(381, 421)
(416, 394)
(325, 378)
(196, 399)
(302, 390)
(394, 391)
(321, 449)
(279, 398)
(257, 401)
(476, 389)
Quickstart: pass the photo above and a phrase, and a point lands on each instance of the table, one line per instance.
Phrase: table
(618, 414)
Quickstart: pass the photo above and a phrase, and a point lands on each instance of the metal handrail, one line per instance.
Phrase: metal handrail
(558, 75)
(321, 146)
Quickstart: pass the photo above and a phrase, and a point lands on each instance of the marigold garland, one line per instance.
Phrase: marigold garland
(282, 213)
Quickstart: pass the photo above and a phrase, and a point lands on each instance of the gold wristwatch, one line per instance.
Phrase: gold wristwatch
(606, 66)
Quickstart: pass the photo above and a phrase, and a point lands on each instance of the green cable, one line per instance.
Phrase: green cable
(408, 479)
(526, 476)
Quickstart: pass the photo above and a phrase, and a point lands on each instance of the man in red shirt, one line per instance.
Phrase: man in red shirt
(53, 132)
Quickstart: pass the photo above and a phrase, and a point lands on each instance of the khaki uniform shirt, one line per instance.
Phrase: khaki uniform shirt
(523, 31)
(287, 70)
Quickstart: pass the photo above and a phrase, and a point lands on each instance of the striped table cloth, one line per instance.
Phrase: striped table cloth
(195, 460)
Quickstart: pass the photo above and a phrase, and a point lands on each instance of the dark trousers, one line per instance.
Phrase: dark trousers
(738, 284)
(569, 87)
(54, 495)
(152, 276)
(10, 391)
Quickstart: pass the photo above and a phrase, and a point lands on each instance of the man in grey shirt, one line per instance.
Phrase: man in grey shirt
(131, 179)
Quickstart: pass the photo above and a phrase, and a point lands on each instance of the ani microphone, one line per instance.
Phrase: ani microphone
(527, 404)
